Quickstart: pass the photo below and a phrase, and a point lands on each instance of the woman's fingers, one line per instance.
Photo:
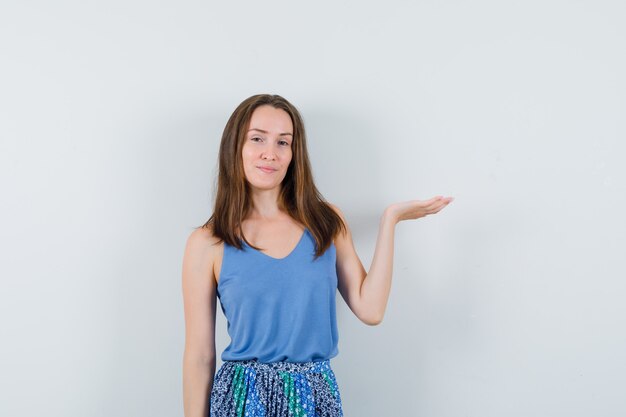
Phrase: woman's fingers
(434, 203)
(414, 209)
(441, 204)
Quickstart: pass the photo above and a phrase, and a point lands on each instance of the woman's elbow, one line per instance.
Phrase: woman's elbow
(372, 320)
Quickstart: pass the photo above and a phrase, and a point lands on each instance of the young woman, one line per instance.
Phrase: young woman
(275, 253)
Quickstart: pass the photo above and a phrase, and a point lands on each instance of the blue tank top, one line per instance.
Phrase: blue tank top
(279, 309)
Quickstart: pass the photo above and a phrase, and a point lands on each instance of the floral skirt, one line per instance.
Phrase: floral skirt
(275, 389)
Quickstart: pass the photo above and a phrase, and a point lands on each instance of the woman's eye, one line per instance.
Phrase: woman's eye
(282, 142)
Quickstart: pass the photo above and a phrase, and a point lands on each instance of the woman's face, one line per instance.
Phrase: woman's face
(266, 150)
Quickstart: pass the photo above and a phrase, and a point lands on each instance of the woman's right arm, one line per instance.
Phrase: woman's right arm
(199, 297)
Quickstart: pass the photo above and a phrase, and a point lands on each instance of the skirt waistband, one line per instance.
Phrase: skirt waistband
(299, 367)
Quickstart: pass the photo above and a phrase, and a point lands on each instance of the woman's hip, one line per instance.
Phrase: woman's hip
(251, 388)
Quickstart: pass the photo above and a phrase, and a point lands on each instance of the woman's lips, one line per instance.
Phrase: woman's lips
(268, 170)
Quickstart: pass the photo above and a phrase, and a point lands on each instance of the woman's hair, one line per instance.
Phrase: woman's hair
(298, 195)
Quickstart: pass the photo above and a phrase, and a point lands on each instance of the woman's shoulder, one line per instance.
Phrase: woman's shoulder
(202, 242)
(203, 236)
(205, 250)
(340, 213)
(341, 231)
(336, 209)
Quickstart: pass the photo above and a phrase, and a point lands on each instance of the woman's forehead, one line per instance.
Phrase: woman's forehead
(268, 119)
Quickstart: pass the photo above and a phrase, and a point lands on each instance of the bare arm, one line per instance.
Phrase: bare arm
(367, 293)
(199, 296)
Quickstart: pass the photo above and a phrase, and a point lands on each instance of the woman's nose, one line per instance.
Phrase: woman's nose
(269, 152)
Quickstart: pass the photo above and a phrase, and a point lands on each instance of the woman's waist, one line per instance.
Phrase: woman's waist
(282, 366)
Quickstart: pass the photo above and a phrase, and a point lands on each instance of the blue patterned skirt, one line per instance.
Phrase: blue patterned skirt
(276, 389)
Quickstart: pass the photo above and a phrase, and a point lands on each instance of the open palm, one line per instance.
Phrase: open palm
(414, 209)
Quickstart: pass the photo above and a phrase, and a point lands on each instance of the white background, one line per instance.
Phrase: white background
(509, 302)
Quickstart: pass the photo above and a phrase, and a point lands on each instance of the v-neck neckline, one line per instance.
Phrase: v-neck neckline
(284, 258)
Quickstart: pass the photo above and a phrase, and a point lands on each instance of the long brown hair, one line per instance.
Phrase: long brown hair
(298, 195)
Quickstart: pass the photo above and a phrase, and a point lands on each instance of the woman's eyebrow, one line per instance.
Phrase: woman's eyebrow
(264, 131)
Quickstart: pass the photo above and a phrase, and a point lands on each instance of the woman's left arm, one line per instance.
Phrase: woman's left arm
(366, 293)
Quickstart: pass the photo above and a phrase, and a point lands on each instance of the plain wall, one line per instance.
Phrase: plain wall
(509, 302)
